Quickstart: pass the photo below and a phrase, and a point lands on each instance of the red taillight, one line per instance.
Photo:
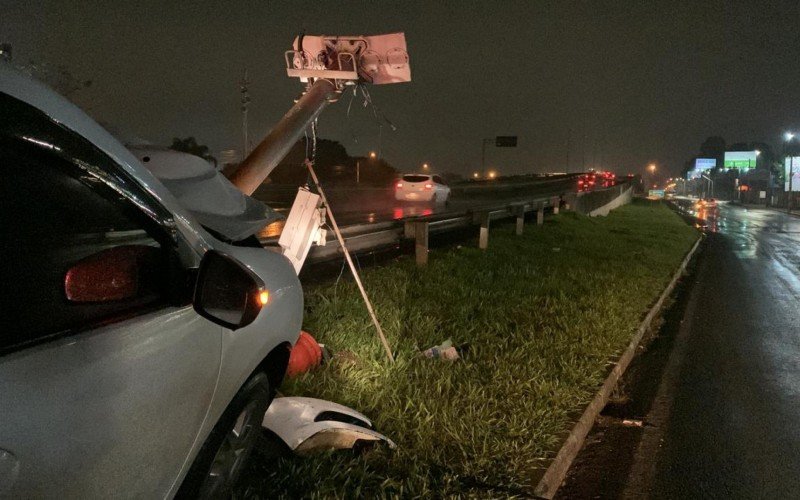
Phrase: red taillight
(429, 186)
(398, 185)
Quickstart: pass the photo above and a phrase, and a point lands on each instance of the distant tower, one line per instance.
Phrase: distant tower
(5, 52)
(243, 88)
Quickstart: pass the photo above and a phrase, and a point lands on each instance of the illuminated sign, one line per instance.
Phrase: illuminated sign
(743, 160)
(705, 163)
(792, 164)
(700, 166)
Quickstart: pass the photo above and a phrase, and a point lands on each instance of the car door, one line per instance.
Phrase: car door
(106, 372)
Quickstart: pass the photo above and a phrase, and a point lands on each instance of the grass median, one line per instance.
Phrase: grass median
(544, 314)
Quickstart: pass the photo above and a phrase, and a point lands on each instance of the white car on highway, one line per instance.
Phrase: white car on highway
(144, 334)
(422, 187)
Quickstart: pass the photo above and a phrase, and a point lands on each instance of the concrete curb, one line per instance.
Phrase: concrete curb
(557, 470)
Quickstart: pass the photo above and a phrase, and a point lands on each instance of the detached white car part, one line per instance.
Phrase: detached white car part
(307, 425)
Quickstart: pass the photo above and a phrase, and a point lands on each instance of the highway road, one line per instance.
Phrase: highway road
(372, 205)
(711, 409)
(733, 429)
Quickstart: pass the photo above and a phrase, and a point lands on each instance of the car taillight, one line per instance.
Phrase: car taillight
(398, 185)
(429, 186)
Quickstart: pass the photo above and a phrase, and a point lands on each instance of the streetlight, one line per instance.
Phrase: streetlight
(711, 184)
(372, 156)
(787, 138)
(475, 175)
(492, 174)
(652, 168)
(424, 166)
(682, 181)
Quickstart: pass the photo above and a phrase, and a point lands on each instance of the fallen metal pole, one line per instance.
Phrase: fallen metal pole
(350, 263)
(265, 157)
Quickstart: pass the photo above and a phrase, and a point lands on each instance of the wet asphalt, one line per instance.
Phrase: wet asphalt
(733, 429)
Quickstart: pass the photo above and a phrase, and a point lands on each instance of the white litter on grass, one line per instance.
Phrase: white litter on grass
(307, 425)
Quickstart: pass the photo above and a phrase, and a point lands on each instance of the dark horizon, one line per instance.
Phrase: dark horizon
(624, 87)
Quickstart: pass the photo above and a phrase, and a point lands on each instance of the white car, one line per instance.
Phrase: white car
(143, 332)
(422, 187)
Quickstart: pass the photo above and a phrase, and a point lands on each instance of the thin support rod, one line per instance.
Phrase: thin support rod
(350, 262)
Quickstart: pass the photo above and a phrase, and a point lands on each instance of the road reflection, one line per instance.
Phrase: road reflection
(403, 211)
(708, 219)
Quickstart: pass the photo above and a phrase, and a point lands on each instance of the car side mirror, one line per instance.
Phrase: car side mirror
(118, 273)
(227, 292)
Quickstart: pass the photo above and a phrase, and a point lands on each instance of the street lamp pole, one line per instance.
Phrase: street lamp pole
(788, 136)
(710, 186)
(483, 154)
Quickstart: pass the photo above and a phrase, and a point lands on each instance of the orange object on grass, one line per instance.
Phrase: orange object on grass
(306, 354)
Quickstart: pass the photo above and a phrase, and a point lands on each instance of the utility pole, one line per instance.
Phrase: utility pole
(569, 145)
(791, 174)
(243, 89)
(787, 137)
(483, 155)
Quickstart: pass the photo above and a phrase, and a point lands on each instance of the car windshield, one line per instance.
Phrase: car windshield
(415, 178)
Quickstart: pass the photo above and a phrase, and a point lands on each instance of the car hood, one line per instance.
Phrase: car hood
(205, 192)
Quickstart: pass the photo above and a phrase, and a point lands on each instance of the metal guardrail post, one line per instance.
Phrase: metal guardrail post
(556, 202)
(408, 228)
(540, 214)
(421, 243)
(483, 240)
(520, 212)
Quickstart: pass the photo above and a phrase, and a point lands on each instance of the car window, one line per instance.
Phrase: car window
(415, 178)
(75, 253)
(439, 180)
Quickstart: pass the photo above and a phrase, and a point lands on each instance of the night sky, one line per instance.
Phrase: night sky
(635, 82)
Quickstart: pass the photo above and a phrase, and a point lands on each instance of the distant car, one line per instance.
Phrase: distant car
(586, 182)
(708, 202)
(422, 187)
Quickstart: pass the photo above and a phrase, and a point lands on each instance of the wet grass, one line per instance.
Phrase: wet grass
(544, 315)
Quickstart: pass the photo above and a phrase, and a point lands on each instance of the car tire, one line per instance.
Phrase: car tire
(228, 447)
(434, 200)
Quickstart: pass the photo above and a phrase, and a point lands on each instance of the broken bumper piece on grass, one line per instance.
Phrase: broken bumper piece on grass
(308, 425)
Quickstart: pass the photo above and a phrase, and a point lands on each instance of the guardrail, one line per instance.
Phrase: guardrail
(375, 236)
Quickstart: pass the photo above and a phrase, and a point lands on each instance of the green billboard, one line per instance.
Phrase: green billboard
(743, 160)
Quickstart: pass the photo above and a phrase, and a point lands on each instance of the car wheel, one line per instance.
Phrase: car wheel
(433, 199)
(224, 455)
